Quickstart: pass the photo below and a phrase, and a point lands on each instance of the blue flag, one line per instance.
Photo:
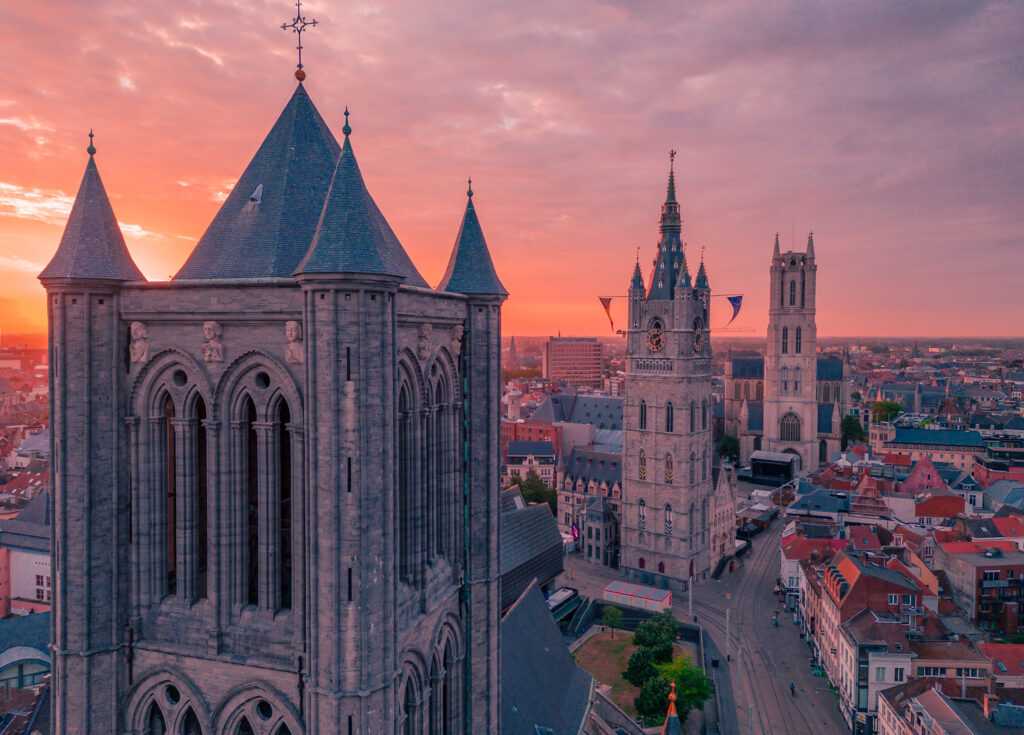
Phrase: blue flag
(737, 302)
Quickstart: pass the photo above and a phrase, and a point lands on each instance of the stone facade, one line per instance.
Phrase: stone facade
(276, 497)
(670, 500)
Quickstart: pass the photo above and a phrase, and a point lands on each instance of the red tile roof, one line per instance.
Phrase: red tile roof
(976, 547)
(1010, 655)
(1009, 527)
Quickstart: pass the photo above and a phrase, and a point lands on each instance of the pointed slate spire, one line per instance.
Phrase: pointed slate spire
(672, 725)
(810, 246)
(352, 235)
(266, 236)
(684, 275)
(92, 245)
(470, 268)
(670, 247)
(776, 254)
(638, 279)
(702, 277)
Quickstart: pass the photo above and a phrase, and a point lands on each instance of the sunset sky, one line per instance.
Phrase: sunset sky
(894, 130)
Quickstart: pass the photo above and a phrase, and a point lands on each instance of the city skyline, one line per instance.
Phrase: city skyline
(850, 121)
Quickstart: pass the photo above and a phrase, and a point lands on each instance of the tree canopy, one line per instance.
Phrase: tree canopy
(729, 447)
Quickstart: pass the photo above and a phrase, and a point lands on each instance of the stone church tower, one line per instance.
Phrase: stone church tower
(672, 519)
(791, 359)
(275, 475)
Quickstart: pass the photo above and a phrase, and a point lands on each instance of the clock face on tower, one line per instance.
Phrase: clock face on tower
(655, 338)
(698, 335)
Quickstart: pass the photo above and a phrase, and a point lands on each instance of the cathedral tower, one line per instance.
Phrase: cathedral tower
(275, 477)
(668, 498)
(791, 361)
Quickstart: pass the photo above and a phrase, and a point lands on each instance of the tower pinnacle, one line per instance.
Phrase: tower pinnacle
(91, 150)
(776, 254)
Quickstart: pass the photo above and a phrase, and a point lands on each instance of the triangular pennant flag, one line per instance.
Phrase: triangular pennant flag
(736, 302)
(606, 302)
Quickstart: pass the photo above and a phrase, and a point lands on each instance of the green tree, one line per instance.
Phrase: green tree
(611, 617)
(640, 667)
(852, 431)
(855, 395)
(885, 410)
(652, 703)
(693, 687)
(659, 629)
(729, 447)
(535, 491)
(508, 374)
(904, 363)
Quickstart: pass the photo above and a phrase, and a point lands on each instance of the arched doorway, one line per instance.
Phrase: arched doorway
(797, 464)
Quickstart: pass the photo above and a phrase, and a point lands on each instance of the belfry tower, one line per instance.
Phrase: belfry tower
(668, 503)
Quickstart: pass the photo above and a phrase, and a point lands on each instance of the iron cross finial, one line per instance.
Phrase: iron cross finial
(298, 25)
(672, 156)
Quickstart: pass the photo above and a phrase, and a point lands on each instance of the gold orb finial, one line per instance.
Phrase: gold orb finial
(300, 75)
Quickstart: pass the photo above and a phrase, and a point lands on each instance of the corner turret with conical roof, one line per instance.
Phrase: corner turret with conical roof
(810, 246)
(470, 268)
(637, 282)
(670, 247)
(352, 235)
(92, 246)
(265, 226)
(702, 277)
(776, 253)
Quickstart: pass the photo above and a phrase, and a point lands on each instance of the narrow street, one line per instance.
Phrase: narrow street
(765, 658)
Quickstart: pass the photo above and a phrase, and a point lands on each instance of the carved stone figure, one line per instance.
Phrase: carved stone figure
(139, 350)
(293, 333)
(213, 350)
(423, 343)
(456, 345)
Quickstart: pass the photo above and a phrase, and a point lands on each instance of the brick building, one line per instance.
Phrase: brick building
(574, 360)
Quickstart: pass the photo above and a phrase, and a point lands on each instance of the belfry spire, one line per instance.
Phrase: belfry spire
(670, 247)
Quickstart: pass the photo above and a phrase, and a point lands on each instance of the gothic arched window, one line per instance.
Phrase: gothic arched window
(825, 394)
(785, 340)
(661, 567)
(789, 428)
(643, 465)
(252, 499)
(202, 535)
(704, 414)
(408, 714)
(798, 342)
(796, 381)
(641, 563)
(244, 728)
(670, 418)
(406, 504)
(643, 415)
(668, 519)
(792, 293)
(691, 527)
(736, 391)
(669, 470)
(693, 468)
(785, 379)
(155, 721)
(641, 514)
(190, 725)
(704, 465)
(284, 505)
(170, 501)
(693, 416)
(760, 391)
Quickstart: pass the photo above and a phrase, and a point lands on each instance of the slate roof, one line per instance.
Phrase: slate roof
(555, 407)
(830, 368)
(542, 687)
(825, 418)
(531, 548)
(755, 416)
(92, 246)
(536, 448)
(268, 238)
(470, 268)
(820, 501)
(26, 630)
(599, 411)
(670, 261)
(598, 466)
(30, 529)
(748, 367)
(944, 437)
(352, 235)
(36, 444)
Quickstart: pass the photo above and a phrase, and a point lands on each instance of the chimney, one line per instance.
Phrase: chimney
(988, 704)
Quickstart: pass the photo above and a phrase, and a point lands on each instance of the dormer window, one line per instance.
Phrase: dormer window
(257, 194)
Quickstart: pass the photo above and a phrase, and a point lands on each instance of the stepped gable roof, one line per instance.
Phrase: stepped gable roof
(601, 467)
(825, 418)
(92, 246)
(748, 367)
(830, 368)
(542, 687)
(352, 235)
(264, 227)
(470, 268)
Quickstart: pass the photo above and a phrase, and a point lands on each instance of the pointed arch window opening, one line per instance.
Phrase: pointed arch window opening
(405, 490)
(796, 381)
(643, 415)
(190, 725)
(284, 506)
(244, 727)
(785, 340)
(643, 465)
(789, 428)
(669, 418)
(693, 468)
(170, 500)
(785, 379)
(693, 416)
(155, 721)
(792, 293)
(736, 391)
(641, 514)
(760, 391)
(798, 342)
(668, 519)
(669, 469)
(252, 499)
(704, 415)
(201, 500)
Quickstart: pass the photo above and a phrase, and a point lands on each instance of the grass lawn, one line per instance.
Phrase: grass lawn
(605, 658)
